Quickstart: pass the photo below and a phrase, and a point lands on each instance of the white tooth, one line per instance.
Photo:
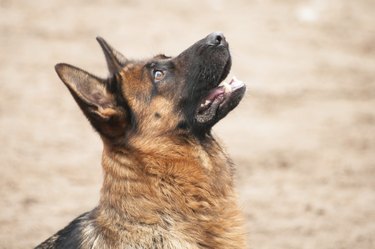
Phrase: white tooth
(227, 87)
(236, 83)
(202, 105)
(207, 102)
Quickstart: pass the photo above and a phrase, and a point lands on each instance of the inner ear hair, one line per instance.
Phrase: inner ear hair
(93, 95)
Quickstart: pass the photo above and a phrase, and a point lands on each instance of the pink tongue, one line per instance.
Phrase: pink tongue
(214, 93)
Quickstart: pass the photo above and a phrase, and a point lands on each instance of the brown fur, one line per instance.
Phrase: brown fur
(163, 187)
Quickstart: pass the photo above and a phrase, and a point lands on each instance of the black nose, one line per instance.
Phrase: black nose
(216, 39)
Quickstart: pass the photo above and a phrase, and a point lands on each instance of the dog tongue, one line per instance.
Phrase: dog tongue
(214, 93)
(224, 87)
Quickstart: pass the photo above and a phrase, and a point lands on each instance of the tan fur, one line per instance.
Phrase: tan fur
(195, 203)
(163, 188)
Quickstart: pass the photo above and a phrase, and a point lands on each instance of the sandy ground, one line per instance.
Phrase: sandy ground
(303, 138)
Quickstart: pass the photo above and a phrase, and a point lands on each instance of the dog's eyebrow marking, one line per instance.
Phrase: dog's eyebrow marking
(161, 64)
(149, 65)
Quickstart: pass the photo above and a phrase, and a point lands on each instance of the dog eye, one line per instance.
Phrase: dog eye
(158, 75)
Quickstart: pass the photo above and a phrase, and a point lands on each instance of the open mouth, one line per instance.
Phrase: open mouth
(220, 101)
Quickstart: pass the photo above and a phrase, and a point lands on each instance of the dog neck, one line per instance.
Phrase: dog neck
(143, 184)
(169, 192)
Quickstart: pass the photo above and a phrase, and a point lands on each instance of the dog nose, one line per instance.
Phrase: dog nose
(216, 39)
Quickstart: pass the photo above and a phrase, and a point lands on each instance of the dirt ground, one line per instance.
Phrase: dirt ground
(303, 139)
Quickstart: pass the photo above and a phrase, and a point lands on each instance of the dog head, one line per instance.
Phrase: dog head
(180, 95)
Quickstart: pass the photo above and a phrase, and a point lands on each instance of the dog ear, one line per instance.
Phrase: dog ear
(94, 98)
(115, 60)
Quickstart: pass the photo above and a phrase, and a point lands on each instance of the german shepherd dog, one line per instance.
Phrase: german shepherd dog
(167, 182)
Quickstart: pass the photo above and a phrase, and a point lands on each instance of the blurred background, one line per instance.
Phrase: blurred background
(303, 139)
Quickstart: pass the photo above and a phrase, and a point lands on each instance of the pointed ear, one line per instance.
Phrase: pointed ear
(93, 97)
(115, 60)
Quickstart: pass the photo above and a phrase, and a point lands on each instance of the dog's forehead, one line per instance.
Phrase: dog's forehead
(162, 57)
(136, 78)
(131, 66)
(134, 70)
(142, 64)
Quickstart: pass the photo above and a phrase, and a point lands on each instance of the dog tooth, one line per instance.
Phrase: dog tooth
(227, 87)
(207, 102)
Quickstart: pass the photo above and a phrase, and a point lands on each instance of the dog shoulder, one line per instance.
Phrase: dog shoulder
(80, 233)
